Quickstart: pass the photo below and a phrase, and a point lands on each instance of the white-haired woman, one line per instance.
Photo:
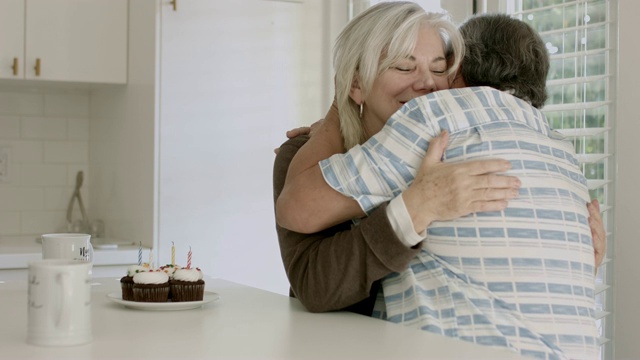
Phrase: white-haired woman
(388, 55)
(541, 344)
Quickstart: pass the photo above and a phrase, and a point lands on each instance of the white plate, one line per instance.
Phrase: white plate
(184, 305)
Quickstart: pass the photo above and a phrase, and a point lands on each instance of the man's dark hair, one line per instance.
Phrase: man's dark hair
(507, 54)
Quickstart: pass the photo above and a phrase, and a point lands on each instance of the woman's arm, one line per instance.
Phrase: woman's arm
(335, 268)
(307, 203)
(439, 192)
(598, 234)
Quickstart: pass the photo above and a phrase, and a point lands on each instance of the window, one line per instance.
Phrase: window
(580, 85)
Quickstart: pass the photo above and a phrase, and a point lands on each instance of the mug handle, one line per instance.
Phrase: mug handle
(64, 312)
(90, 258)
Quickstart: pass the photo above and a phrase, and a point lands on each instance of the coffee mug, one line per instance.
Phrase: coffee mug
(67, 246)
(59, 303)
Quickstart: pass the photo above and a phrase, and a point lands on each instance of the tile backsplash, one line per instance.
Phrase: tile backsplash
(44, 142)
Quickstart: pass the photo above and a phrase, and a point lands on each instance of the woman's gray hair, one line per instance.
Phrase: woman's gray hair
(374, 41)
(506, 54)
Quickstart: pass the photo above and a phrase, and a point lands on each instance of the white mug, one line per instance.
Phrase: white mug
(67, 246)
(59, 303)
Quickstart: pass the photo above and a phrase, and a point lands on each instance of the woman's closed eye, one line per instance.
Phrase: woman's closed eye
(404, 68)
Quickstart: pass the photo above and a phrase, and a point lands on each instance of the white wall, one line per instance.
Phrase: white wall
(627, 179)
(232, 83)
(123, 139)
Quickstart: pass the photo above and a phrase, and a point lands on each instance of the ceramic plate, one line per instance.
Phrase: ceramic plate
(185, 305)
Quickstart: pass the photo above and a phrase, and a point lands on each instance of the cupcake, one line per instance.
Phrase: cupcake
(170, 269)
(126, 282)
(151, 286)
(187, 285)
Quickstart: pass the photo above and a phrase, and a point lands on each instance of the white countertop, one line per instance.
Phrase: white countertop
(245, 323)
(18, 252)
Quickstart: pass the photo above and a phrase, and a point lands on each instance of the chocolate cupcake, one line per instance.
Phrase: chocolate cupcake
(187, 285)
(151, 286)
(126, 282)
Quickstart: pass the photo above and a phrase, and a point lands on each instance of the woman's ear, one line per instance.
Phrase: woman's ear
(356, 93)
(458, 80)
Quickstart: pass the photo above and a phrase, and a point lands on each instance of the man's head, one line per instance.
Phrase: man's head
(506, 54)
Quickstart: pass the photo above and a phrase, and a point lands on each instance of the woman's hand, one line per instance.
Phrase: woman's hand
(303, 130)
(445, 191)
(598, 234)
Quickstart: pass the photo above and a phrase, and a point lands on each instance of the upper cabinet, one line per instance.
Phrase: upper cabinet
(64, 40)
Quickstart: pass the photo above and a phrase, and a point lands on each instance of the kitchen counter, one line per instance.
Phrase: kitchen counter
(17, 252)
(244, 323)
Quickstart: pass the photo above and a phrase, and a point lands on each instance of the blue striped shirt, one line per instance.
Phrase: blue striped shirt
(522, 278)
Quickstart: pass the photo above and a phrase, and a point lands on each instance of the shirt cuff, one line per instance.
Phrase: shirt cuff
(401, 223)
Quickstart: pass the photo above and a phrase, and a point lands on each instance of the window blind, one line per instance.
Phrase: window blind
(580, 38)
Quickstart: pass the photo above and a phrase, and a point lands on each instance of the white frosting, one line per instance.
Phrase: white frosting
(191, 275)
(151, 277)
(170, 269)
(133, 269)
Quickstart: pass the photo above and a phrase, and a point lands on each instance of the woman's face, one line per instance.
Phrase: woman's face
(422, 73)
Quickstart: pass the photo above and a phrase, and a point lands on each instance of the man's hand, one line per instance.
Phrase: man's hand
(598, 234)
(444, 191)
(303, 130)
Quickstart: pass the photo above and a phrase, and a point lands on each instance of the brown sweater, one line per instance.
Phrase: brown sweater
(338, 268)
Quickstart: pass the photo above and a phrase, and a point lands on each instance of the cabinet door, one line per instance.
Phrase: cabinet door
(77, 40)
(11, 39)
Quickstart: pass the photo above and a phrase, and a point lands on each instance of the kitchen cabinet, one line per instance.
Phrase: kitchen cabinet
(64, 40)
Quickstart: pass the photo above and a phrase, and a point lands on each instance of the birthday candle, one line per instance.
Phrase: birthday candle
(173, 254)
(189, 258)
(140, 254)
(151, 259)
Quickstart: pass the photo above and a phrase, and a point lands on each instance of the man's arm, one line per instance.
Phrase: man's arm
(335, 268)
(439, 192)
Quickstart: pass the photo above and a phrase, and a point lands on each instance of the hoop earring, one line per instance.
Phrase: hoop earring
(361, 106)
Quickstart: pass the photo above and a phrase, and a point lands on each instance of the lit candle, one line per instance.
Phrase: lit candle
(173, 254)
(189, 258)
(140, 254)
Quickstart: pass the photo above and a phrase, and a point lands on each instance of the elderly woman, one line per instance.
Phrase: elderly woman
(433, 285)
(388, 55)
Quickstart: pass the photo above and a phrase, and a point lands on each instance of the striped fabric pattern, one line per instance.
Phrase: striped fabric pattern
(522, 278)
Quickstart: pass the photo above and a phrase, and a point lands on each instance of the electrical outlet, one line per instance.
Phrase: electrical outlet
(4, 164)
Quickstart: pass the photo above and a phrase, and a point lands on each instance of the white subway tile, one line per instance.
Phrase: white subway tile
(42, 222)
(9, 223)
(9, 127)
(57, 198)
(13, 199)
(20, 103)
(78, 129)
(66, 105)
(44, 128)
(66, 152)
(9, 199)
(43, 175)
(27, 151)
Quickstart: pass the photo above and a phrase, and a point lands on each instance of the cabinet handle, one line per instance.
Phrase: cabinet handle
(15, 66)
(37, 67)
(175, 5)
